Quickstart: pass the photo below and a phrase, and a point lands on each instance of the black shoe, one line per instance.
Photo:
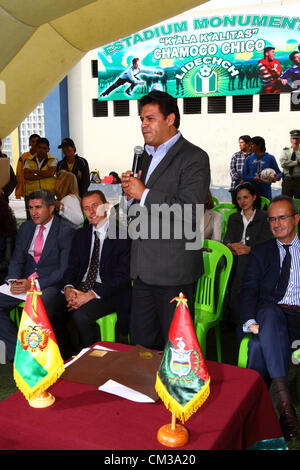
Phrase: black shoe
(288, 422)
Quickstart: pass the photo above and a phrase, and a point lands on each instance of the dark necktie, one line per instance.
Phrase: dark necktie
(291, 170)
(94, 266)
(283, 281)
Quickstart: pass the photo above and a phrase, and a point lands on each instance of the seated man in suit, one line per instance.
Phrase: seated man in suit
(42, 249)
(97, 280)
(270, 305)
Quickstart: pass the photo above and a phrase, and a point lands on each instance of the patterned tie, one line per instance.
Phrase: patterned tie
(38, 245)
(283, 281)
(94, 266)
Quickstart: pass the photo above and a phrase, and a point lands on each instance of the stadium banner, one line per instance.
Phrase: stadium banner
(237, 53)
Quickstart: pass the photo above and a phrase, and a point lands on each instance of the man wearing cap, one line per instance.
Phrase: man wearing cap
(270, 71)
(290, 162)
(77, 165)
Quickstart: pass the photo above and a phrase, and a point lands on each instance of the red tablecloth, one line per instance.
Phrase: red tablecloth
(238, 413)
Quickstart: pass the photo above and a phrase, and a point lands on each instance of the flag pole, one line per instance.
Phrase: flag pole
(173, 435)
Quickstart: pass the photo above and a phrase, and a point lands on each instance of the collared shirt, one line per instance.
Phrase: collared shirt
(292, 295)
(246, 222)
(157, 157)
(236, 168)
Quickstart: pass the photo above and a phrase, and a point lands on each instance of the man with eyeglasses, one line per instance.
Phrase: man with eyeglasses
(270, 305)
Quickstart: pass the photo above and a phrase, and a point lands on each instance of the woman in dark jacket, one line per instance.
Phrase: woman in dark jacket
(245, 228)
(8, 232)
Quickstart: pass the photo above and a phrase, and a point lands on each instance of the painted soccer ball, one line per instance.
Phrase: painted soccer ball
(205, 71)
(267, 175)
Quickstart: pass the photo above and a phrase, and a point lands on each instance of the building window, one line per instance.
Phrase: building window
(94, 65)
(100, 108)
(216, 104)
(269, 103)
(295, 101)
(121, 108)
(242, 104)
(192, 105)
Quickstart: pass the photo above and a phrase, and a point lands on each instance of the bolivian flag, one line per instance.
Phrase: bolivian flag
(182, 380)
(37, 363)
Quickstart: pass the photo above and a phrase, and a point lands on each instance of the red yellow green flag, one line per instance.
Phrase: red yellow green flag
(37, 363)
(182, 380)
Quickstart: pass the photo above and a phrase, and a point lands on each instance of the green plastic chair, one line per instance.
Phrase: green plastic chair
(298, 202)
(265, 202)
(216, 200)
(243, 351)
(208, 309)
(107, 327)
(15, 314)
(226, 209)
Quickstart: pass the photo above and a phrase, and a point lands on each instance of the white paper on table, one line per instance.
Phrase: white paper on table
(83, 351)
(125, 392)
(5, 289)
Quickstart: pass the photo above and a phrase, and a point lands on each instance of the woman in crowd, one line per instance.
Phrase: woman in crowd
(245, 228)
(8, 232)
(68, 201)
(212, 221)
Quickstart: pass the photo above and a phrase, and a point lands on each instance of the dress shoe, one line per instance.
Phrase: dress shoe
(288, 422)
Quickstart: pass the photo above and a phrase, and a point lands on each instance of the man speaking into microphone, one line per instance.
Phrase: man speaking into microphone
(174, 173)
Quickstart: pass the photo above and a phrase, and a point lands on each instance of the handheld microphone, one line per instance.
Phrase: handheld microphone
(137, 160)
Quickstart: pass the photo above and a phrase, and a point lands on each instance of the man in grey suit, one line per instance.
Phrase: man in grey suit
(41, 252)
(174, 175)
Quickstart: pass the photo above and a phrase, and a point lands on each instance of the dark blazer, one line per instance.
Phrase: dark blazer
(54, 258)
(258, 230)
(260, 278)
(182, 177)
(114, 267)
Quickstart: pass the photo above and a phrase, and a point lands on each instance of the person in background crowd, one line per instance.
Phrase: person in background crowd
(8, 233)
(39, 170)
(77, 165)
(290, 162)
(237, 162)
(258, 161)
(245, 229)
(20, 187)
(212, 221)
(67, 198)
(10, 186)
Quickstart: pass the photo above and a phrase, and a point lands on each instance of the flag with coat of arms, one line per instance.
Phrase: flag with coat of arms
(182, 380)
(37, 362)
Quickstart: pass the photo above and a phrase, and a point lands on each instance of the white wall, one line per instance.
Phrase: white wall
(107, 142)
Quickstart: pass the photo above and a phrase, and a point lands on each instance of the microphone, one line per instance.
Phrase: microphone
(137, 160)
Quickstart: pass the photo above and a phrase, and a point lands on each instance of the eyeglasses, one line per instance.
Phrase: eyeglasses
(281, 218)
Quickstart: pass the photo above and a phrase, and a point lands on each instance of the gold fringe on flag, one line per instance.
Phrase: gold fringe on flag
(42, 386)
(182, 412)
